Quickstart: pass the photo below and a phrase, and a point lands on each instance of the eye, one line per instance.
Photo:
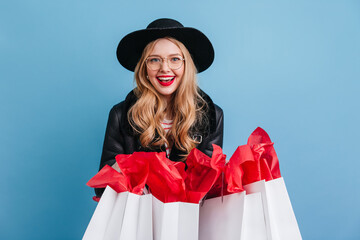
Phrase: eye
(175, 59)
(154, 59)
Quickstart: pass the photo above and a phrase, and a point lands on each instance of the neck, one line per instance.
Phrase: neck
(168, 110)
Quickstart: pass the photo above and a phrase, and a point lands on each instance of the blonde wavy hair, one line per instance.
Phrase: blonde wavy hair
(187, 107)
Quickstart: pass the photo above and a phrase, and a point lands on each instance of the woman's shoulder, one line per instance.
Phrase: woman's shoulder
(218, 111)
(118, 113)
(214, 113)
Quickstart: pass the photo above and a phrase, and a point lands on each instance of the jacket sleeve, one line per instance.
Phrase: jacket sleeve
(113, 141)
(215, 137)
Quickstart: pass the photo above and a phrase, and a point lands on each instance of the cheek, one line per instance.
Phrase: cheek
(153, 81)
(179, 72)
(151, 73)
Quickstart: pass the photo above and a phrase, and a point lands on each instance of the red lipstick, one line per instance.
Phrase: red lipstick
(165, 83)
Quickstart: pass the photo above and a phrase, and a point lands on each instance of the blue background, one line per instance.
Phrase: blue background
(291, 67)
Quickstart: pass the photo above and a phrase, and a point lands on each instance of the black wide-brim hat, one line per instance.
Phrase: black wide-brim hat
(132, 45)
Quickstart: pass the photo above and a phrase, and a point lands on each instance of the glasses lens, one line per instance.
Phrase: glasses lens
(175, 62)
(154, 63)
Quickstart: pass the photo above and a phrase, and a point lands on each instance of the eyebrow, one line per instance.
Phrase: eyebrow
(174, 54)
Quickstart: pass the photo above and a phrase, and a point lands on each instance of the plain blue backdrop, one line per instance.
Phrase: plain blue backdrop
(291, 67)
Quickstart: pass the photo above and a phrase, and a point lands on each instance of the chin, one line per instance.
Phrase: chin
(167, 94)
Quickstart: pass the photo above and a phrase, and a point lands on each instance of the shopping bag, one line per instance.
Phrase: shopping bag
(121, 216)
(267, 211)
(175, 220)
(279, 216)
(177, 192)
(145, 224)
(132, 215)
(263, 175)
(236, 215)
(129, 213)
(253, 222)
(221, 218)
(131, 218)
(99, 220)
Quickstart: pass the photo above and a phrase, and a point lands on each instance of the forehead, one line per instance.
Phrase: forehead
(164, 47)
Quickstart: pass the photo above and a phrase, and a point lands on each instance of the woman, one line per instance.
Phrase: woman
(166, 111)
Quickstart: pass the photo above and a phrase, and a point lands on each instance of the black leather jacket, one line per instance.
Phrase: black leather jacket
(121, 139)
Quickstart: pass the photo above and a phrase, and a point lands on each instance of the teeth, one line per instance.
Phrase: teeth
(165, 78)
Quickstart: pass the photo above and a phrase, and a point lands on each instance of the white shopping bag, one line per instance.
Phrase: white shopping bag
(175, 221)
(130, 218)
(235, 217)
(115, 223)
(221, 217)
(253, 224)
(145, 224)
(99, 220)
(280, 219)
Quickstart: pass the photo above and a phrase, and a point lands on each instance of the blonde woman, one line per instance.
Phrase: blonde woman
(166, 111)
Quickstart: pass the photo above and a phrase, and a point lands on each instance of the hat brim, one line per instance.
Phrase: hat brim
(132, 45)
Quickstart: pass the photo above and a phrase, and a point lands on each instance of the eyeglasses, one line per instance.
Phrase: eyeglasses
(155, 63)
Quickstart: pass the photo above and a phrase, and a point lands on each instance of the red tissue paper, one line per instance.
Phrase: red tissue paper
(202, 172)
(135, 168)
(266, 163)
(168, 181)
(165, 181)
(132, 178)
(255, 161)
(109, 176)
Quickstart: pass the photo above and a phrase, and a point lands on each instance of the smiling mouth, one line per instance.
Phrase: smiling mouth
(166, 80)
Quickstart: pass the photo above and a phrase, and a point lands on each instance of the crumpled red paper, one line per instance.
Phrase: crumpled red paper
(255, 161)
(109, 176)
(266, 163)
(212, 176)
(168, 181)
(132, 178)
(135, 169)
(164, 180)
(234, 172)
(218, 188)
(202, 172)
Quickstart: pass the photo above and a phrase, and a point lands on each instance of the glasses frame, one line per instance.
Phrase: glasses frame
(162, 62)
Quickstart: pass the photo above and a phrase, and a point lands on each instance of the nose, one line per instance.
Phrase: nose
(164, 66)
